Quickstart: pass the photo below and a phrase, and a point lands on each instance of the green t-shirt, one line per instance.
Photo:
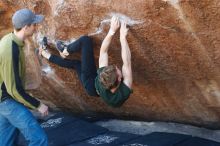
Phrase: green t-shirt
(113, 99)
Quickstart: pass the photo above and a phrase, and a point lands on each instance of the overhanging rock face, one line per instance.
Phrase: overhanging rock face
(175, 55)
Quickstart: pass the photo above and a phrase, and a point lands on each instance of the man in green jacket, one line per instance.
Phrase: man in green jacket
(14, 114)
(112, 84)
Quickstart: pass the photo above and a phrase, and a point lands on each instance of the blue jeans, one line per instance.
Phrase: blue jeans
(15, 116)
(86, 68)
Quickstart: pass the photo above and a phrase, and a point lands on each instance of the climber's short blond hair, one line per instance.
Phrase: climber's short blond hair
(108, 77)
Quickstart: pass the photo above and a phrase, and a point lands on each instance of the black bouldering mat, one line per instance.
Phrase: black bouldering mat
(107, 139)
(73, 132)
(195, 141)
(158, 139)
(63, 129)
(57, 120)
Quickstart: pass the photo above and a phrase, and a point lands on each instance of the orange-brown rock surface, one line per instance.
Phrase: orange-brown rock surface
(175, 46)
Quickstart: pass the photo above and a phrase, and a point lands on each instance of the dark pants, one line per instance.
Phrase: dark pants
(86, 68)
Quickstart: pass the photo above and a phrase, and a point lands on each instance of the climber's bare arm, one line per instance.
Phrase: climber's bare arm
(103, 56)
(126, 56)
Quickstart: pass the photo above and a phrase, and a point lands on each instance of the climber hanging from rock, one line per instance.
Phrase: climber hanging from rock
(113, 85)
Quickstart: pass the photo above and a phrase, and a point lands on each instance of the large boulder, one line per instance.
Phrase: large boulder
(175, 56)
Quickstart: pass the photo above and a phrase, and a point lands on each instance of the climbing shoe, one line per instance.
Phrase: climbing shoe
(61, 46)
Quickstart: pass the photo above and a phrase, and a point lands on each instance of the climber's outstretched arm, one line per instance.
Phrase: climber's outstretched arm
(103, 56)
(126, 56)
